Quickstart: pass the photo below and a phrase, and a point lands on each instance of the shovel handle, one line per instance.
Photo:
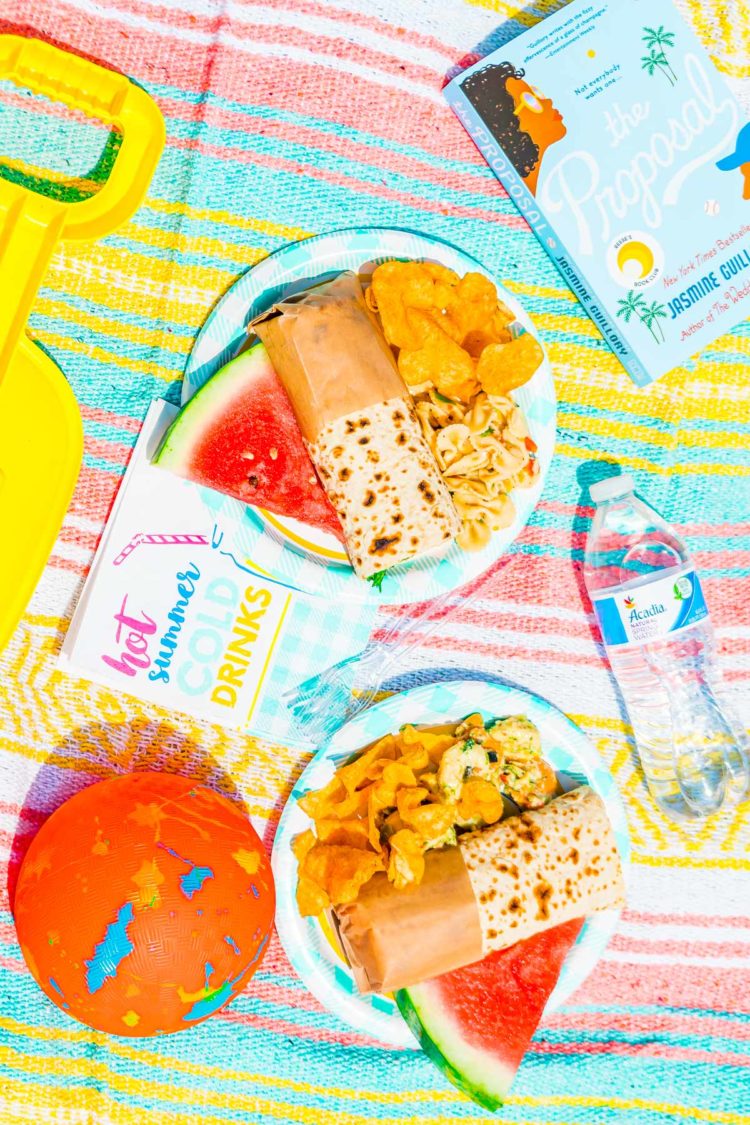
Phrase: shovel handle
(32, 224)
(28, 236)
(112, 98)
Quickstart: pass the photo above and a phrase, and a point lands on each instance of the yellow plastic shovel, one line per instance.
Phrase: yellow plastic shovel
(41, 439)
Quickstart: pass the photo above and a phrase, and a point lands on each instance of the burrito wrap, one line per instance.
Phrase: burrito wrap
(544, 867)
(382, 479)
(357, 418)
(500, 885)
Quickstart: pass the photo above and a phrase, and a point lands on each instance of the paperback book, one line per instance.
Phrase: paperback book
(625, 150)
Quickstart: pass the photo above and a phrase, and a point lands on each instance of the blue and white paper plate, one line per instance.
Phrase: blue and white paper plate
(565, 746)
(311, 560)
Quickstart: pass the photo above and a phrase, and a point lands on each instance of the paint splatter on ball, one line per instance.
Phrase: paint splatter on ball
(144, 904)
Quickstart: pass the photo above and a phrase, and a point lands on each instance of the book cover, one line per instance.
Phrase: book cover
(623, 147)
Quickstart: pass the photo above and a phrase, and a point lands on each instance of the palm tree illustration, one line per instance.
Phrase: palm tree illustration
(635, 305)
(655, 63)
(631, 305)
(657, 40)
(651, 315)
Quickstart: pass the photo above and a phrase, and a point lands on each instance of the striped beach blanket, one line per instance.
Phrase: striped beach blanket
(287, 118)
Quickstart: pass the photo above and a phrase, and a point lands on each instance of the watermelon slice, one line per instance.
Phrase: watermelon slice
(238, 434)
(476, 1023)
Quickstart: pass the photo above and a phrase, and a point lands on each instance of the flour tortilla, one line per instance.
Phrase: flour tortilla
(382, 479)
(500, 885)
(544, 867)
(357, 418)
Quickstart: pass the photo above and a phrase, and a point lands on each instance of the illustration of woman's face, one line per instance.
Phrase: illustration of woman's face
(536, 114)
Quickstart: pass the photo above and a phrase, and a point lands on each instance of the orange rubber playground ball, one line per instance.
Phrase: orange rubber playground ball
(144, 904)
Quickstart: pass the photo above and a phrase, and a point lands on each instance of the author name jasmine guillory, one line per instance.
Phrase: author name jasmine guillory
(709, 283)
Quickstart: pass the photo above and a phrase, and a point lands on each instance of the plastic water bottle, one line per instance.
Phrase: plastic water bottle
(654, 622)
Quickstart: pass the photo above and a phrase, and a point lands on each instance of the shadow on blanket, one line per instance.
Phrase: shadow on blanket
(101, 750)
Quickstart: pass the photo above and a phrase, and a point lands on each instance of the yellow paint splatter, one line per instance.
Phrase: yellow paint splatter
(101, 846)
(591, 54)
(132, 990)
(248, 861)
(192, 997)
(38, 862)
(149, 816)
(148, 879)
(131, 1018)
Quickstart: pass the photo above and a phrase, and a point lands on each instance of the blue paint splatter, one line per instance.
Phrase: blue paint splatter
(231, 942)
(255, 890)
(258, 951)
(213, 1000)
(211, 1003)
(192, 881)
(199, 913)
(59, 991)
(111, 950)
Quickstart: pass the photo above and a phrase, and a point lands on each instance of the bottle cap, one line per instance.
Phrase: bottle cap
(611, 488)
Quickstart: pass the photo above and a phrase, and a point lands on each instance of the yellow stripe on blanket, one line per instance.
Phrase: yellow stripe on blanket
(56, 307)
(243, 222)
(720, 1117)
(631, 431)
(643, 464)
(80, 347)
(48, 1096)
(174, 1065)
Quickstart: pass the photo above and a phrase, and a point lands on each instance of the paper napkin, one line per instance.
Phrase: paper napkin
(175, 610)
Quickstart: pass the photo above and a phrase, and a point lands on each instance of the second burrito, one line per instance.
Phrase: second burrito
(500, 885)
(359, 425)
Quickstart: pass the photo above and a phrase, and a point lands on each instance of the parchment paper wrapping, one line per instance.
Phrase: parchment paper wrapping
(500, 885)
(329, 353)
(359, 425)
(389, 936)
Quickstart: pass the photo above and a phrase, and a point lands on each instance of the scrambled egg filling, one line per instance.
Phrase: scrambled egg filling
(507, 753)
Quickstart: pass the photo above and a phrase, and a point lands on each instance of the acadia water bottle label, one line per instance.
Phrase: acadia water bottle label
(633, 617)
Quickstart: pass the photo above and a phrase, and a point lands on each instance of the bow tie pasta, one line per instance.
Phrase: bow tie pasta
(483, 451)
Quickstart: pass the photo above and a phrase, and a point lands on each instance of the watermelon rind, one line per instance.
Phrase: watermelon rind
(177, 445)
(478, 1074)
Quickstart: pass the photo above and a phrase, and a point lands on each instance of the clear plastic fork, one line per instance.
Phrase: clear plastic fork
(322, 703)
